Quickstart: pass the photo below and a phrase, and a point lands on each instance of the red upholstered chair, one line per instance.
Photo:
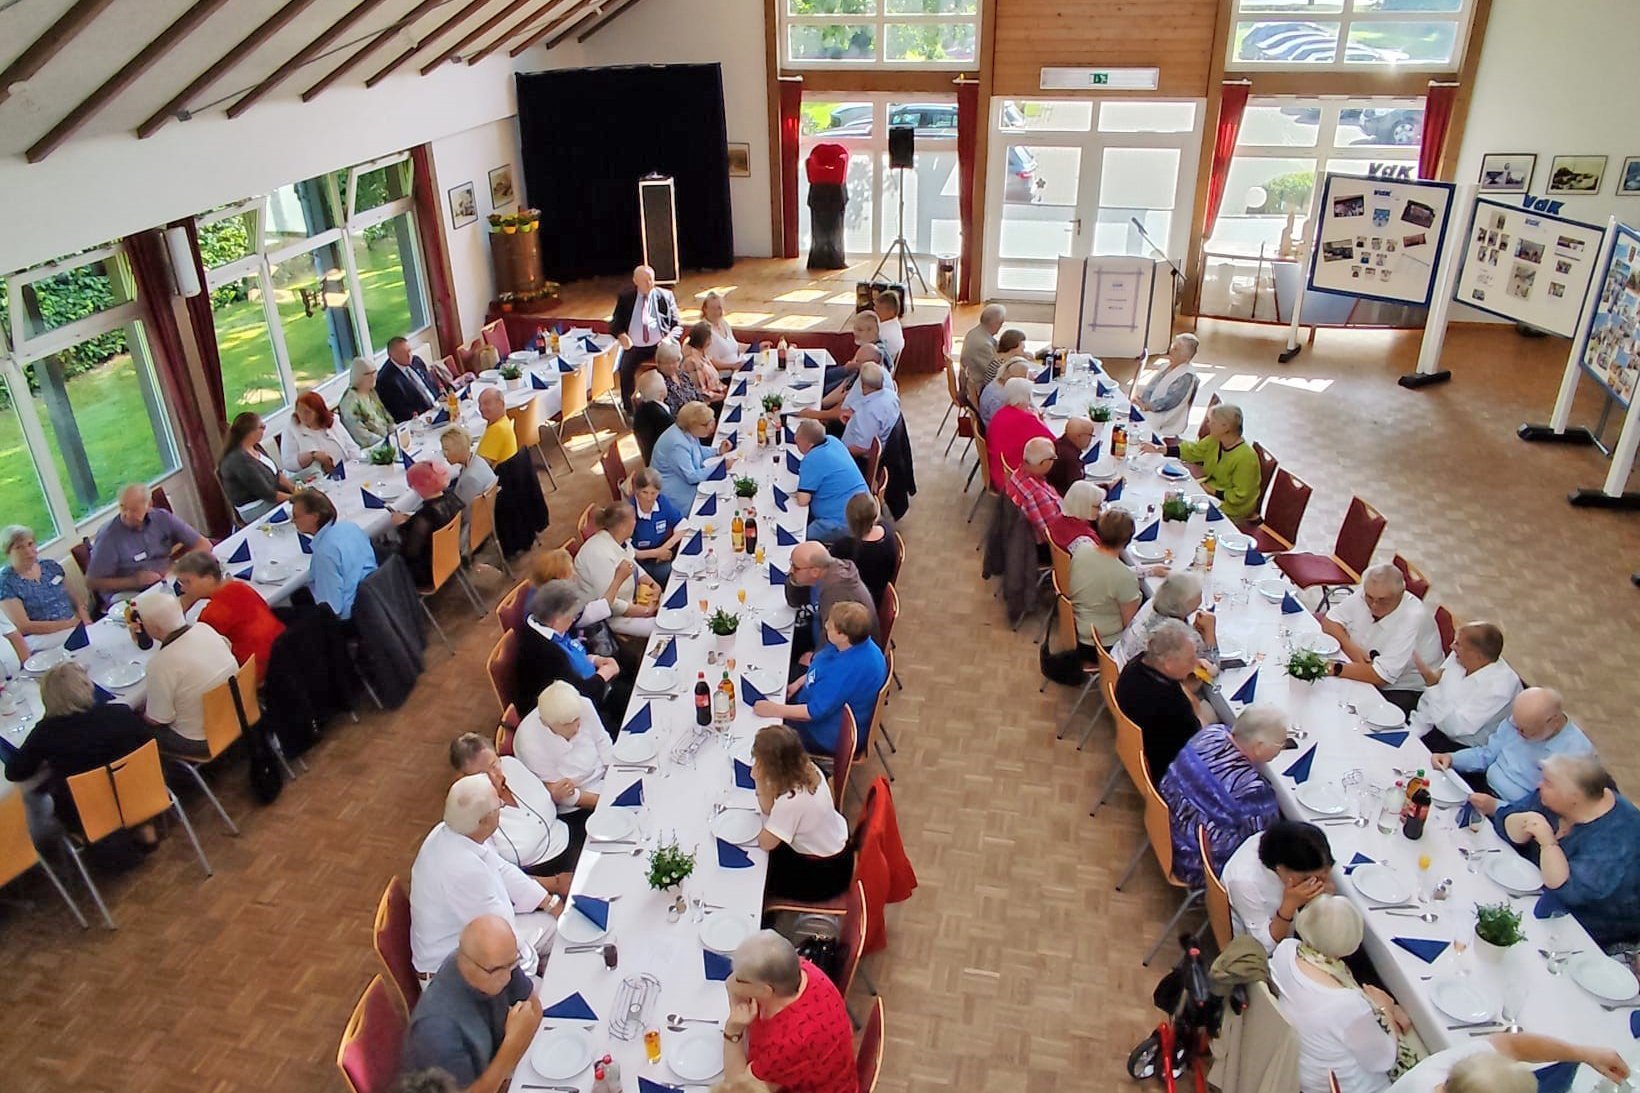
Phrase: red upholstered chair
(506, 731)
(842, 757)
(514, 606)
(614, 468)
(827, 163)
(869, 1058)
(1201, 431)
(852, 940)
(1289, 497)
(1352, 553)
(1446, 627)
(586, 527)
(1417, 583)
(502, 664)
(392, 940)
(157, 498)
(496, 334)
(368, 1055)
(1267, 464)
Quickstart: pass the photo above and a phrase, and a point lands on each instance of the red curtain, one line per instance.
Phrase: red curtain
(791, 104)
(1437, 120)
(968, 123)
(150, 266)
(435, 261)
(1232, 104)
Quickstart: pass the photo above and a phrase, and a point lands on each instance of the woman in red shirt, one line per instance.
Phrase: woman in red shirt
(787, 1024)
(235, 609)
(1011, 428)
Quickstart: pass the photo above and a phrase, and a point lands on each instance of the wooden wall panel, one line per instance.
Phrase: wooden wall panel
(1173, 35)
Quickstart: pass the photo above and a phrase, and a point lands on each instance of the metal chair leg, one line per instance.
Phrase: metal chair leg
(1081, 695)
(884, 730)
(593, 429)
(91, 885)
(279, 754)
(442, 636)
(870, 986)
(1133, 863)
(948, 444)
(898, 686)
(975, 509)
(1087, 730)
(472, 594)
(204, 863)
(1167, 931)
(882, 758)
(558, 438)
(73, 907)
(1110, 785)
(971, 473)
(199, 779)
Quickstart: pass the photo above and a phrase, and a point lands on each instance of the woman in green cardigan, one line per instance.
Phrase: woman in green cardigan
(1230, 469)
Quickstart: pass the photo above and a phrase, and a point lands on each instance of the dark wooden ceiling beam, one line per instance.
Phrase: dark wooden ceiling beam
(116, 84)
(251, 42)
(50, 43)
(307, 53)
(575, 14)
(512, 32)
(407, 19)
(473, 35)
(593, 12)
(398, 62)
(608, 19)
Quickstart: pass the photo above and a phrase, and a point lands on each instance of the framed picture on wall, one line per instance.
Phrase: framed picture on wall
(1628, 183)
(740, 161)
(1507, 172)
(463, 205)
(501, 187)
(1576, 174)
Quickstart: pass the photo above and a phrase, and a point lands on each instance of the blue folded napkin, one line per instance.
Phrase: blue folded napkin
(1254, 556)
(780, 497)
(645, 1085)
(696, 543)
(1174, 472)
(731, 856)
(589, 343)
(743, 776)
(777, 576)
(732, 417)
(793, 463)
(1213, 514)
(640, 722)
(717, 965)
(1044, 376)
(771, 636)
(1634, 1024)
(1299, 772)
(739, 390)
(596, 910)
(245, 574)
(1359, 860)
(1424, 948)
(101, 694)
(749, 694)
(573, 1008)
(782, 537)
(1290, 604)
(371, 501)
(708, 507)
(1091, 456)
(404, 458)
(77, 639)
(1114, 493)
(750, 361)
(1149, 534)
(537, 383)
(1466, 816)
(679, 598)
(241, 554)
(1134, 414)
(631, 796)
(1393, 739)
(1557, 1077)
(790, 432)
(1548, 905)
(441, 418)
(176, 589)
(718, 473)
(1052, 399)
(338, 473)
(667, 657)
(733, 439)
(305, 542)
(279, 515)
(1248, 688)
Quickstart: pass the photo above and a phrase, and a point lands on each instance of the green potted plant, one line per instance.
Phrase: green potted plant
(1099, 411)
(669, 867)
(495, 222)
(513, 373)
(745, 487)
(507, 300)
(381, 455)
(724, 626)
(1497, 931)
(509, 224)
(773, 403)
(1307, 666)
(1176, 508)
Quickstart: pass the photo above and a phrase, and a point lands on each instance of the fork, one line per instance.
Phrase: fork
(648, 768)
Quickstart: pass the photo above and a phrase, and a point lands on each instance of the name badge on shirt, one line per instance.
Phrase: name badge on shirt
(660, 527)
(140, 556)
(57, 579)
(808, 679)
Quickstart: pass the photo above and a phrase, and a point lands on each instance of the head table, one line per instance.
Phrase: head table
(1353, 766)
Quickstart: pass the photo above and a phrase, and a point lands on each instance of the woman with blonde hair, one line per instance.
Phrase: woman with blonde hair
(603, 560)
(723, 351)
(805, 835)
(363, 414)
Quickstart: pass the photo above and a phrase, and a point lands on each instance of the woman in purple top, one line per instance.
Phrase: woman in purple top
(1215, 783)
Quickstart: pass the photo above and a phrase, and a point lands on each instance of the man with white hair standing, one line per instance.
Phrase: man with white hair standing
(1028, 488)
(190, 660)
(1215, 783)
(787, 1023)
(874, 413)
(979, 350)
(457, 877)
(1384, 630)
(644, 315)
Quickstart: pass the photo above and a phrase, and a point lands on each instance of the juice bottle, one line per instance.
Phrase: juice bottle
(555, 343)
(726, 693)
(737, 533)
(762, 431)
(1118, 441)
(452, 405)
(1212, 545)
(1414, 784)
(703, 700)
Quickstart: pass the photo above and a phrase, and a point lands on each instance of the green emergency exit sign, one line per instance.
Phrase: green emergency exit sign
(1099, 79)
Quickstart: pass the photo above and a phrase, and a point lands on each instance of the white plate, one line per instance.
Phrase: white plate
(1325, 798)
(272, 571)
(1058, 410)
(1272, 589)
(578, 929)
(1446, 789)
(697, 1055)
(45, 660)
(610, 823)
(654, 678)
(739, 826)
(675, 618)
(1385, 716)
(1461, 1000)
(635, 747)
(1516, 875)
(1380, 883)
(490, 375)
(690, 564)
(1147, 552)
(1602, 976)
(722, 932)
(1325, 644)
(1235, 544)
(558, 1054)
(120, 676)
(781, 617)
(1104, 470)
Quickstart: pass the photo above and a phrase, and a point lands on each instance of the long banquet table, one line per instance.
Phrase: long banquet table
(1330, 716)
(682, 797)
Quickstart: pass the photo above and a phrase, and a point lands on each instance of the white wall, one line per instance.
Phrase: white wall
(470, 156)
(729, 32)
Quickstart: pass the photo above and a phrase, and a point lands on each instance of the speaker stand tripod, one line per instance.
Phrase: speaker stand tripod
(899, 252)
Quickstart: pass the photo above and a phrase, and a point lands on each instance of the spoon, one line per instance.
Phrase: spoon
(1421, 916)
(1633, 1003)
(674, 1019)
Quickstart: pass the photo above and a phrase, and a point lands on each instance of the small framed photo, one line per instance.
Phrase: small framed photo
(740, 161)
(1628, 183)
(463, 205)
(1507, 172)
(1576, 174)
(501, 187)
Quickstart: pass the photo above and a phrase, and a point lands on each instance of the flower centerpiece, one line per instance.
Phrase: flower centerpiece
(512, 372)
(1099, 411)
(381, 455)
(772, 403)
(1497, 930)
(745, 487)
(507, 300)
(1307, 666)
(725, 626)
(669, 866)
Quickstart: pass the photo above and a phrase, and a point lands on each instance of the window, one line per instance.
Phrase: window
(899, 33)
(1350, 34)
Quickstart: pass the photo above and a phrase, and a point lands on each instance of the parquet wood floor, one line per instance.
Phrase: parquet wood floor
(1015, 967)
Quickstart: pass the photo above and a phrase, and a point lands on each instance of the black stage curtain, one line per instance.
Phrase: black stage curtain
(589, 135)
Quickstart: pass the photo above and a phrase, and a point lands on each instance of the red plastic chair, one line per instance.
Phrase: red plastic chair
(1417, 583)
(502, 664)
(852, 939)
(869, 1059)
(368, 1055)
(496, 334)
(842, 757)
(1446, 627)
(392, 940)
(1352, 553)
(1267, 464)
(513, 607)
(1289, 497)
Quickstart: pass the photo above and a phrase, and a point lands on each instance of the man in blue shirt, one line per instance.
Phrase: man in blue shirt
(1537, 727)
(870, 411)
(134, 550)
(826, 480)
(342, 554)
(849, 671)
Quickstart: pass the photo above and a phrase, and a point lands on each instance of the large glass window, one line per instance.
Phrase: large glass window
(385, 256)
(899, 33)
(311, 293)
(1359, 34)
(22, 497)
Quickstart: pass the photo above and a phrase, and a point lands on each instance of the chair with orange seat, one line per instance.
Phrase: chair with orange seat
(868, 1060)
(1064, 638)
(879, 718)
(230, 710)
(526, 422)
(573, 388)
(507, 732)
(983, 469)
(1215, 895)
(605, 381)
(502, 667)
(120, 796)
(1352, 553)
(614, 468)
(18, 855)
(447, 565)
(481, 527)
(953, 363)
(391, 937)
(1159, 837)
(368, 1055)
(514, 606)
(1417, 583)
(1130, 754)
(1283, 513)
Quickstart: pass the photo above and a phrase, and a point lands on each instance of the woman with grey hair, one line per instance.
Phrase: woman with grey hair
(363, 415)
(1011, 428)
(1177, 597)
(549, 651)
(1358, 1033)
(1215, 784)
(34, 591)
(650, 415)
(1167, 396)
(1078, 510)
(76, 734)
(991, 396)
(680, 385)
(1158, 692)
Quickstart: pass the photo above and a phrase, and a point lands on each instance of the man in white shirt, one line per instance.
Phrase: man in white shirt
(644, 317)
(1383, 629)
(1468, 694)
(564, 744)
(191, 659)
(887, 306)
(457, 877)
(530, 834)
(1272, 875)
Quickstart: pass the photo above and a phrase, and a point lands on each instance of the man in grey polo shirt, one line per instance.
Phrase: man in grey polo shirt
(478, 1013)
(134, 549)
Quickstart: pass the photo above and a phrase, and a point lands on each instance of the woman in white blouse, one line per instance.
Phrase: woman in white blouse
(1358, 1033)
(1167, 396)
(315, 439)
(805, 835)
(564, 744)
(723, 351)
(596, 564)
(530, 834)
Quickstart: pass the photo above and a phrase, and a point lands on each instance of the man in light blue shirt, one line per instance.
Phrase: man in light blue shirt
(871, 410)
(342, 554)
(827, 479)
(1537, 727)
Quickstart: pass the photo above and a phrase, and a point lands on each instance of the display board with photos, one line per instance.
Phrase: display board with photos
(1612, 352)
(1380, 238)
(1528, 267)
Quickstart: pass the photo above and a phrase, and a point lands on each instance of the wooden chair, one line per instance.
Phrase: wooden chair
(18, 854)
(481, 527)
(1065, 638)
(231, 708)
(507, 732)
(1215, 895)
(511, 610)
(879, 716)
(447, 564)
(842, 757)
(879, 485)
(372, 1042)
(874, 460)
(158, 499)
(614, 468)
(1352, 553)
(526, 421)
(899, 558)
(496, 334)
(605, 380)
(120, 796)
(1417, 583)
(502, 667)
(888, 612)
(869, 1057)
(1159, 837)
(1130, 753)
(391, 937)
(953, 362)
(1283, 513)
(1446, 627)
(574, 389)
(983, 469)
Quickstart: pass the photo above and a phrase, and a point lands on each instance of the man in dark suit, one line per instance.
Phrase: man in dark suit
(407, 386)
(644, 316)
